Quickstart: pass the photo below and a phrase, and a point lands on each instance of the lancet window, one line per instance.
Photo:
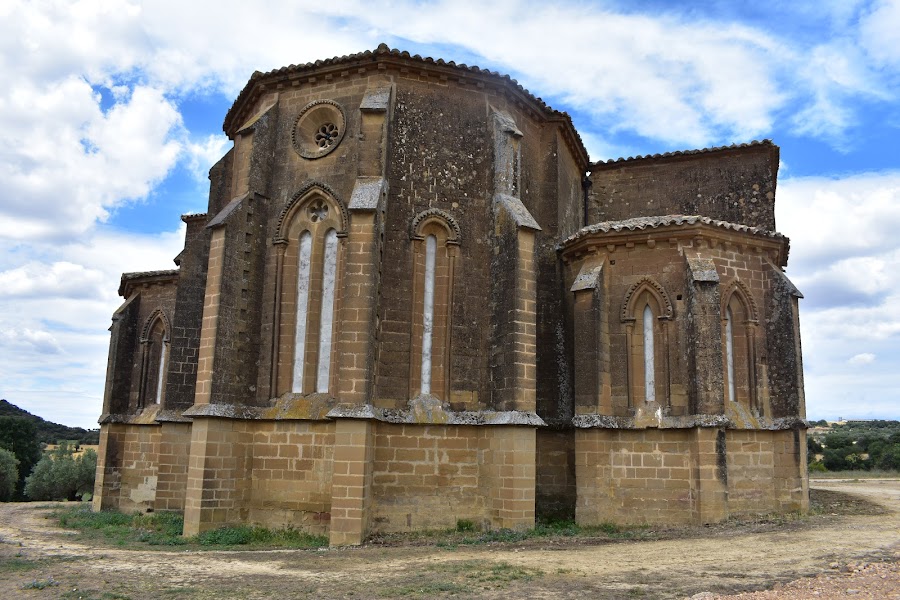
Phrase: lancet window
(646, 313)
(435, 238)
(738, 329)
(154, 359)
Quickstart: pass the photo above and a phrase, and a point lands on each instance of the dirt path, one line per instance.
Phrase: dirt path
(721, 559)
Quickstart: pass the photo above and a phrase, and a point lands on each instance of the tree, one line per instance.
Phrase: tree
(9, 474)
(60, 475)
(19, 436)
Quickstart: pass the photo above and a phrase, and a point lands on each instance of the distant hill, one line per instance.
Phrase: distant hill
(51, 433)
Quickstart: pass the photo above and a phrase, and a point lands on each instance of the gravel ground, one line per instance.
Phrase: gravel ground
(876, 581)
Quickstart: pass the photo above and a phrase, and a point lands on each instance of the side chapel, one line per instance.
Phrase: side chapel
(414, 299)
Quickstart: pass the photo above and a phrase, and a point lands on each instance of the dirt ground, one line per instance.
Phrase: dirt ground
(850, 548)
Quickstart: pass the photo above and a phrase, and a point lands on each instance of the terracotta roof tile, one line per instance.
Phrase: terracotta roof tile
(383, 50)
(619, 160)
(640, 223)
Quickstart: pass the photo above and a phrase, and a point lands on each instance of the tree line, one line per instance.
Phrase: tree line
(29, 472)
(856, 445)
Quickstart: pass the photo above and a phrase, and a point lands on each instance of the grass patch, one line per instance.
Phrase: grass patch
(155, 529)
(465, 535)
(164, 529)
(19, 563)
(260, 536)
(16, 564)
(424, 590)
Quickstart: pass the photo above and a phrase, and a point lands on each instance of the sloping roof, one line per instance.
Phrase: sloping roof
(640, 223)
(259, 81)
(620, 160)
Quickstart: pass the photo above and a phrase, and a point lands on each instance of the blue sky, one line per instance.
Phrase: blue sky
(111, 116)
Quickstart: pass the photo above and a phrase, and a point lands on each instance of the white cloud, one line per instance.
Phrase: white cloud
(28, 340)
(845, 257)
(862, 359)
(54, 316)
(836, 218)
(65, 163)
(203, 154)
(878, 33)
(90, 121)
(63, 279)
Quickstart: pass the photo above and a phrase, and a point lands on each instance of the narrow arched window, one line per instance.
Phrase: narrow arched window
(428, 313)
(649, 358)
(729, 352)
(435, 239)
(309, 251)
(645, 313)
(305, 251)
(154, 363)
(326, 322)
(740, 348)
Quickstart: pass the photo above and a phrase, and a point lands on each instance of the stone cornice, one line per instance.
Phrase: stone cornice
(131, 280)
(672, 229)
(596, 421)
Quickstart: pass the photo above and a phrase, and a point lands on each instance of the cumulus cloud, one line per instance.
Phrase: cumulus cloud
(28, 340)
(63, 279)
(90, 121)
(54, 315)
(845, 257)
(65, 162)
(203, 154)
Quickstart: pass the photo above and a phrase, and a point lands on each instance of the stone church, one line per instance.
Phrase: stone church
(414, 300)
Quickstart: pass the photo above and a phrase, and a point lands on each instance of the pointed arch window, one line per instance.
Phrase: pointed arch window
(738, 330)
(435, 238)
(646, 313)
(154, 359)
(309, 253)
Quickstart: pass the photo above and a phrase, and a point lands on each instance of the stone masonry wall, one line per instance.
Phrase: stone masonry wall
(427, 477)
(653, 475)
(291, 474)
(188, 316)
(734, 185)
(637, 476)
(139, 468)
(555, 490)
(171, 472)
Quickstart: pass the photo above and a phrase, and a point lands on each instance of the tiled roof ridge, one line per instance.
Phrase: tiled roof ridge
(639, 223)
(385, 50)
(140, 274)
(614, 161)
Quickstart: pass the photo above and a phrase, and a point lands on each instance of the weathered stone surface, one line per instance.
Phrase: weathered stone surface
(414, 300)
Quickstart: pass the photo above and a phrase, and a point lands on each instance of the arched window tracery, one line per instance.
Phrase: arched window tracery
(309, 254)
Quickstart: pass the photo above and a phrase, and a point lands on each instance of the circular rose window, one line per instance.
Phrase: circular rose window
(318, 129)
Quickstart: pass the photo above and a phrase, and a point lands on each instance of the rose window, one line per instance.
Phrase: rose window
(319, 129)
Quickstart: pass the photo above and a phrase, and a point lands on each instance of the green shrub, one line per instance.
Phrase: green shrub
(9, 474)
(465, 525)
(60, 475)
(19, 436)
(817, 466)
